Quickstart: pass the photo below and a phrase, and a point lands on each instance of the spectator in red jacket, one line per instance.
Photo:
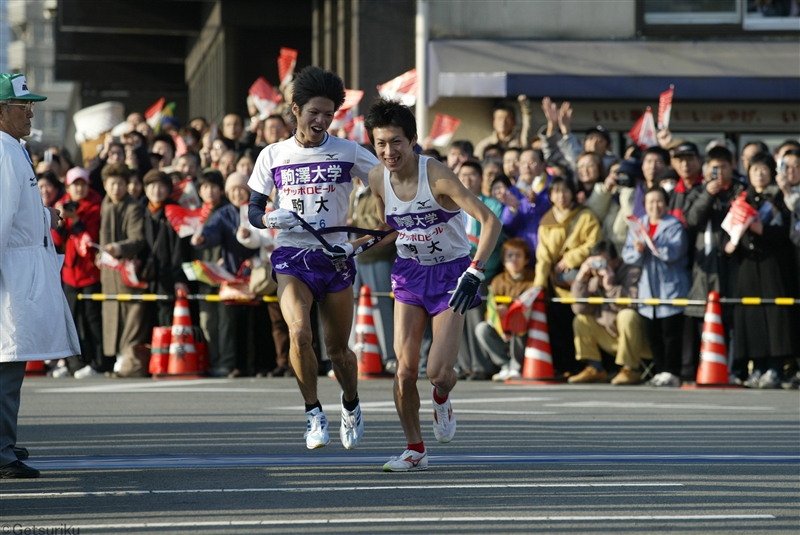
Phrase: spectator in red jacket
(80, 208)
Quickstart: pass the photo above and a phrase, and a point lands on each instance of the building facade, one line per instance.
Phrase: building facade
(735, 65)
(31, 51)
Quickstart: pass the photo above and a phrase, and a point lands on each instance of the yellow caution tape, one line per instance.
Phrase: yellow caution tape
(499, 299)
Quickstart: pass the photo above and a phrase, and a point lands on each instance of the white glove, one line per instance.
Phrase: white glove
(341, 251)
(281, 219)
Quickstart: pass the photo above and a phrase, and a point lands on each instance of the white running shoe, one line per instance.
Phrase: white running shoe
(58, 372)
(86, 372)
(409, 461)
(316, 429)
(502, 375)
(656, 379)
(506, 373)
(444, 421)
(753, 380)
(793, 383)
(771, 379)
(665, 379)
(352, 429)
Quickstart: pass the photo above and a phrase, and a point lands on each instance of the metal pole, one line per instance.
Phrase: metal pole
(422, 31)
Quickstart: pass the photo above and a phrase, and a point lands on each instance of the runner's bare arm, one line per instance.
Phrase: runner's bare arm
(375, 181)
(445, 185)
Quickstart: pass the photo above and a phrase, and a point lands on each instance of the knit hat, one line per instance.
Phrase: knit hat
(234, 180)
(154, 175)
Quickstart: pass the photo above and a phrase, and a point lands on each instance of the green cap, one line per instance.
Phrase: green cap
(14, 86)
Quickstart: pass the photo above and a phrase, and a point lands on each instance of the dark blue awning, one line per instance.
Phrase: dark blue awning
(616, 70)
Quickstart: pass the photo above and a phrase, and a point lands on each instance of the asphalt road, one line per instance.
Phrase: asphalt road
(228, 456)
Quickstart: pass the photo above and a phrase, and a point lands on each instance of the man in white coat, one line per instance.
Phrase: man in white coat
(35, 322)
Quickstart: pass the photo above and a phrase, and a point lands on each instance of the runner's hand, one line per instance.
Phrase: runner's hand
(281, 219)
(467, 288)
(340, 251)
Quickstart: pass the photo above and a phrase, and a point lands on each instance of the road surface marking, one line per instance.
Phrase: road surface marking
(413, 519)
(81, 494)
(366, 459)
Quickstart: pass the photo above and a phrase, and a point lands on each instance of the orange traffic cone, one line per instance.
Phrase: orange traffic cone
(366, 348)
(34, 367)
(201, 345)
(713, 369)
(159, 350)
(538, 365)
(182, 352)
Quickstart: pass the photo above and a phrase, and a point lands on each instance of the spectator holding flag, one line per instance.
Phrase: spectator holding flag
(765, 266)
(121, 236)
(221, 229)
(664, 276)
(708, 204)
(162, 270)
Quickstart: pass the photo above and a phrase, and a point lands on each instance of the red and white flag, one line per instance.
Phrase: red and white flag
(643, 132)
(344, 114)
(286, 64)
(665, 107)
(444, 126)
(186, 222)
(154, 112)
(211, 273)
(356, 130)
(84, 244)
(265, 97)
(185, 194)
(515, 321)
(641, 234)
(180, 145)
(126, 269)
(403, 88)
(739, 218)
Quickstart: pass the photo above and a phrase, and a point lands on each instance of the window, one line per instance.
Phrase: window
(692, 11)
(771, 14)
(756, 15)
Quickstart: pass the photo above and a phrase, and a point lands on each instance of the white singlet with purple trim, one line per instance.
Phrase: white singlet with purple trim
(427, 232)
(315, 182)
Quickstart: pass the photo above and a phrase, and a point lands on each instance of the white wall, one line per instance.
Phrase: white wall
(533, 19)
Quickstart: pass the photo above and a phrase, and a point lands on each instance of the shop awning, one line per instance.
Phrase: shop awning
(615, 70)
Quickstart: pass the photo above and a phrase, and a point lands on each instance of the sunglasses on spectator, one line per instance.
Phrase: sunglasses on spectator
(28, 105)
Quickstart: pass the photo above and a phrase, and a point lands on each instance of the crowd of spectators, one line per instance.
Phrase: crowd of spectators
(566, 203)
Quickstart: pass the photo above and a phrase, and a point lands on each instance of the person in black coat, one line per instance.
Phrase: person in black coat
(162, 269)
(706, 206)
(764, 255)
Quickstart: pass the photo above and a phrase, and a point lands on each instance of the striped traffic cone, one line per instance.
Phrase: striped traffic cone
(182, 352)
(538, 365)
(159, 350)
(34, 367)
(367, 349)
(713, 369)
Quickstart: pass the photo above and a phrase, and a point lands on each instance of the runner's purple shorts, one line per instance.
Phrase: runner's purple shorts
(314, 269)
(428, 287)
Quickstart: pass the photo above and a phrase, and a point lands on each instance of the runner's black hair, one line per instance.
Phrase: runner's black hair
(390, 113)
(314, 82)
